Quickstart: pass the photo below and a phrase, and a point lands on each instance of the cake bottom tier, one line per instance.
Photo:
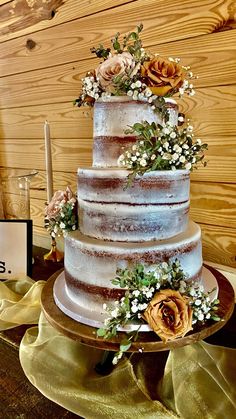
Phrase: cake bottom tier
(90, 264)
(94, 318)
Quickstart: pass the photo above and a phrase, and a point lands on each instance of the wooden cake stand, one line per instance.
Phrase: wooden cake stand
(147, 341)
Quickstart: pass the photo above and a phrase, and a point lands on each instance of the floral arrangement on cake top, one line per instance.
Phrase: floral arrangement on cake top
(128, 69)
(160, 147)
(61, 213)
(161, 296)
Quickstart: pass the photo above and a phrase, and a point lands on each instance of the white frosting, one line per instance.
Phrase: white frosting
(95, 261)
(132, 223)
(124, 112)
(112, 118)
(110, 185)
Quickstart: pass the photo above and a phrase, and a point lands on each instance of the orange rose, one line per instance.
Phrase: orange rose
(169, 315)
(162, 76)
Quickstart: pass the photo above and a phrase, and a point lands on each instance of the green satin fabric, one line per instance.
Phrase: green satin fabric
(198, 381)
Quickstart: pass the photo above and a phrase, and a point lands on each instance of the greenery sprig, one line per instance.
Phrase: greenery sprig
(141, 284)
(130, 42)
(160, 147)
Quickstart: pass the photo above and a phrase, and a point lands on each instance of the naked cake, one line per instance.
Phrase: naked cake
(135, 250)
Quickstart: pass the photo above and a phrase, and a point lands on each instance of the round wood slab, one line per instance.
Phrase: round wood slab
(147, 341)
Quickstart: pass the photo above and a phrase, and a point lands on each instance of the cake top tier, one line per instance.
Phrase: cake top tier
(113, 116)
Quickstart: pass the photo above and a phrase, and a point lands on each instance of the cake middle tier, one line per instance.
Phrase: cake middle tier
(154, 207)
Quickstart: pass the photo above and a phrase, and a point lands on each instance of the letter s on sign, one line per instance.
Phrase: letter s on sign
(2, 267)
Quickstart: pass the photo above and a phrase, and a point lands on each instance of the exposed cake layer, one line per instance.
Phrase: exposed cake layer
(91, 264)
(115, 115)
(110, 185)
(155, 207)
(131, 222)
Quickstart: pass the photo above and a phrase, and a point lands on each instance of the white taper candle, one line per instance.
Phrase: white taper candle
(48, 159)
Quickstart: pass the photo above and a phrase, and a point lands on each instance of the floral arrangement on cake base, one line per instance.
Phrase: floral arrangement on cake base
(128, 69)
(61, 213)
(160, 147)
(160, 295)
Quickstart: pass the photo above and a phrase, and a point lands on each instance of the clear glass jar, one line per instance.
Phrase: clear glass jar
(15, 193)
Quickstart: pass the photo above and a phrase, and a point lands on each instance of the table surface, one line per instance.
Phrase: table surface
(18, 397)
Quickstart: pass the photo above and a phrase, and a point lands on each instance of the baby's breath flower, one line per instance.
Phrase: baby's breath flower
(134, 308)
(200, 316)
(115, 312)
(175, 156)
(143, 162)
(115, 360)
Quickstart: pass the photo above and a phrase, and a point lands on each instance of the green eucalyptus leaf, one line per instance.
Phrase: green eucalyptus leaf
(116, 46)
(101, 332)
(216, 318)
(125, 345)
(140, 28)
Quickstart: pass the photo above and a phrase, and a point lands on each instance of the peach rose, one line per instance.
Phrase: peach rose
(117, 65)
(162, 76)
(169, 315)
(53, 208)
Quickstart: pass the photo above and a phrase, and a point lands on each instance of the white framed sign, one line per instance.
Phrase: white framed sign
(15, 248)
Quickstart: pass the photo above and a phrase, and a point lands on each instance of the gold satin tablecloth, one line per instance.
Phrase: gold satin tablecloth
(199, 380)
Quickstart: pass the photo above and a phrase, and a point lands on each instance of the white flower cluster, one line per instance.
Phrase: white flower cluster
(140, 91)
(90, 87)
(186, 87)
(64, 221)
(176, 150)
(200, 301)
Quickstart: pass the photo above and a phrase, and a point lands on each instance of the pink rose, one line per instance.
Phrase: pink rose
(117, 65)
(53, 208)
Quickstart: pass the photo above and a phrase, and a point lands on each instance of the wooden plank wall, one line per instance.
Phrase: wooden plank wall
(44, 52)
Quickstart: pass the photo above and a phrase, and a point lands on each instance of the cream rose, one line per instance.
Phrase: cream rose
(117, 65)
(53, 208)
(169, 315)
(162, 76)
